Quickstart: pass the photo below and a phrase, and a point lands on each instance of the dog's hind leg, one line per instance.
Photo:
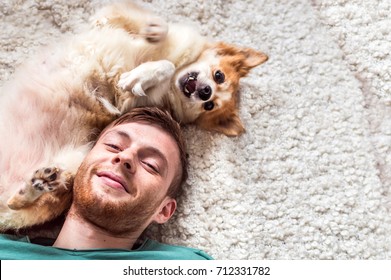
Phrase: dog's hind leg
(44, 180)
(56, 178)
(134, 20)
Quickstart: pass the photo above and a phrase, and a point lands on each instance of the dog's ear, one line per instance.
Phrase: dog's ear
(242, 59)
(230, 125)
(252, 58)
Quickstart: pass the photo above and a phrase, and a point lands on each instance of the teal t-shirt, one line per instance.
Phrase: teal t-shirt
(20, 248)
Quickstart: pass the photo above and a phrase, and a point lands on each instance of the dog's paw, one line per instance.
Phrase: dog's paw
(100, 22)
(131, 81)
(47, 179)
(44, 180)
(155, 30)
(145, 76)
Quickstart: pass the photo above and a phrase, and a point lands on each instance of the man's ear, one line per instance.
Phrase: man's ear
(166, 210)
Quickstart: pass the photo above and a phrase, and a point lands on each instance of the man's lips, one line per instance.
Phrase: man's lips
(113, 180)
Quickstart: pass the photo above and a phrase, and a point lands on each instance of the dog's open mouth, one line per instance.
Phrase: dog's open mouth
(188, 84)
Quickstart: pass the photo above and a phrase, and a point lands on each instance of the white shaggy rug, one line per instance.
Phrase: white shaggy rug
(311, 177)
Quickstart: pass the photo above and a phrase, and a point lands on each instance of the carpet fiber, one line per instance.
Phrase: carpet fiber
(310, 179)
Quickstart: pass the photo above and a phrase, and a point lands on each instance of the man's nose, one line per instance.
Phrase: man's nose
(125, 160)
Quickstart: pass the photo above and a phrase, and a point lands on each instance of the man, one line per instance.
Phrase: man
(129, 179)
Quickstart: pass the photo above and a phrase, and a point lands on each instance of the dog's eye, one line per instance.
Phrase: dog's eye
(219, 77)
(209, 105)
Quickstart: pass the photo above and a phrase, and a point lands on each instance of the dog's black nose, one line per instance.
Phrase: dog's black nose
(205, 92)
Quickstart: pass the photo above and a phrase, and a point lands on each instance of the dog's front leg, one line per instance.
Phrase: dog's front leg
(150, 79)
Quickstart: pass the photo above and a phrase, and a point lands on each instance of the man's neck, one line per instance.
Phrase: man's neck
(79, 234)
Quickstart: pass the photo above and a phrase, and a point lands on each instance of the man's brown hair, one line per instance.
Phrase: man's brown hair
(164, 120)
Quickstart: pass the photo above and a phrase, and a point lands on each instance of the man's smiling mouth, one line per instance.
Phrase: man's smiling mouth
(112, 180)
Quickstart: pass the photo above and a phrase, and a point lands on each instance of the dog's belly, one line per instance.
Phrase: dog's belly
(49, 109)
(38, 120)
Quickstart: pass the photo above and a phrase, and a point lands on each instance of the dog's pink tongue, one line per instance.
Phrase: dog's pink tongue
(191, 86)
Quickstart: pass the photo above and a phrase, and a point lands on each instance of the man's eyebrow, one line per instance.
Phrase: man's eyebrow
(118, 132)
(122, 133)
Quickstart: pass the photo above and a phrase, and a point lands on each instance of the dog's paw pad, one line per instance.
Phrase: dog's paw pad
(46, 179)
(155, 30)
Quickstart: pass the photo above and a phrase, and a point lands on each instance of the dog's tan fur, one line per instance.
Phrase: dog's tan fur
(58, 102)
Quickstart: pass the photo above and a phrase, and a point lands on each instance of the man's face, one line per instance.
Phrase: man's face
(121, 185)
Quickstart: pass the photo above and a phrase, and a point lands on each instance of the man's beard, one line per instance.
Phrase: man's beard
(120, 217)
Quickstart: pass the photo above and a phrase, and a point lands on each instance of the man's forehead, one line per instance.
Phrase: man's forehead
(149, 134)
(138, 129)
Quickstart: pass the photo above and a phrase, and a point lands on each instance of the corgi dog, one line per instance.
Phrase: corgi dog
(59, 101)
